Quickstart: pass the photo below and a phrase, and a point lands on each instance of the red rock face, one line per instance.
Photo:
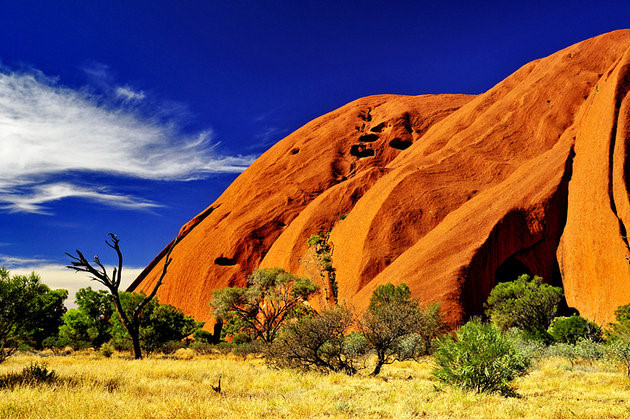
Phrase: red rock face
(448, 193)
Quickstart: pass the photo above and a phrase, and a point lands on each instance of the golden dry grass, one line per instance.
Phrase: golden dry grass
(172, 388)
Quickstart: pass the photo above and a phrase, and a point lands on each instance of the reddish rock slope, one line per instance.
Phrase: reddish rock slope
(447, 193)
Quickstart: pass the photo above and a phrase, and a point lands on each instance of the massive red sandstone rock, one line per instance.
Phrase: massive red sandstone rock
(448, 193)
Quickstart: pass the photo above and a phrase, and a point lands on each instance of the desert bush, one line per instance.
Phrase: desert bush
(530, 348)
(254, 347)
(89, 324)
(106, 350)
(202, 336)
(271, 297)
(396, 327)
(159, 324)
(319, 342)
(563, 350)
(571, 329)
(480, 358)
(527, 304)
(618, 352)
(33, 374)
(202, 348)
(589, 350)
(30, 312)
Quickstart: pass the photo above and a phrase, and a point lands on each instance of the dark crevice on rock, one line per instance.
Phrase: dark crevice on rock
(223, 261)
(368, 138)
(400, 144)
(360, 150)
(378, 128)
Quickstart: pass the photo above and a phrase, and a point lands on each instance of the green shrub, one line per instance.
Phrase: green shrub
(319, 342)
(618, 352)
(571, 329)
(241, 338)
(480, 358)
(202, 347)
(106, 350)
(563, 350)
(202, 336)
(254, 347)
(272, 297)
(531, 348)
(396, 327)
(30, 312)
(526, 304)
(34, 374)
(589, 350)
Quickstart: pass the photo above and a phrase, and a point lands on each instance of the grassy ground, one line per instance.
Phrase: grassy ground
(96, 387)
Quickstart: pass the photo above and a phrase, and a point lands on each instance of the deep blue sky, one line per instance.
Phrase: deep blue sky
(247, 73)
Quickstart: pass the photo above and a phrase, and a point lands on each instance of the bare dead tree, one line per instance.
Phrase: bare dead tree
(130, 319)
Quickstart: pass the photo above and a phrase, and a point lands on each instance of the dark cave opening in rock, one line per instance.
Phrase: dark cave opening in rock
(510, 270)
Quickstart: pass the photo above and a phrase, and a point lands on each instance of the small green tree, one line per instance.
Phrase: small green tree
(29, 311)
(480, 358)
(99, 308)
(159, 324)
(619, 347)
(571, 329)
(396, 327)
(89, 324)
(322, 250)
(527, 304)
(271, 297)
(76, 331)
(618, 352)
(319, 342)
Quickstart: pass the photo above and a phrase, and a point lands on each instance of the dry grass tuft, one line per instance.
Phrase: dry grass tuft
(97, 387)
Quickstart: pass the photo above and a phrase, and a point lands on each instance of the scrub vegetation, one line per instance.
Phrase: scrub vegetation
(280, 357)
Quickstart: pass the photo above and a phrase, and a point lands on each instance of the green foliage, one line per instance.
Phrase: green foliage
(98, 307)
(396, 327)
(202, 336)
(77, 330)
(619, 353)
(106, 350)
(621, 329)
(29, 311)
(202, 347)
(619, 348)
(319, 342)
(271, 297)
(481, 358)
(33, 374)
(159, 324)
(46, 316)
(388, 294)
(320, 245)
(89, 324)
(527, 304)
(622, 313)
(571, 329)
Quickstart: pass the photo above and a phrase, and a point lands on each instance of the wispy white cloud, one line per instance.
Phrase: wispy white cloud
(97, 72)
(32, 201)
(127, 94)
(47, 130)
(11, 262)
